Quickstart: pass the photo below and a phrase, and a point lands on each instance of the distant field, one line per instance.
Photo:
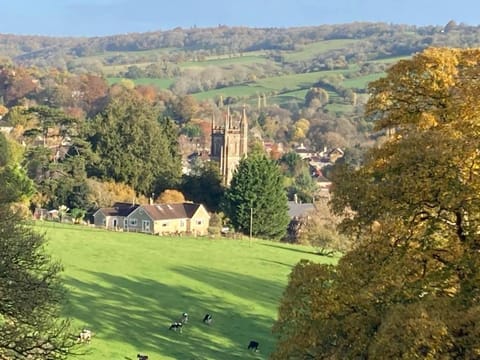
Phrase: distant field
(392, 60)
(361, 82)
(225, 61)
(272, 85)
(279, 89)
(309, 51)
(127, 288)
(240, 91)
(159, 83)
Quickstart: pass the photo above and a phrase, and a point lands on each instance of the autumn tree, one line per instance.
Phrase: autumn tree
(319, 230)
(301, 128)
(170, 196)
(317, 97)
(106, 193)
(3, 111)
(182, 108)
(17, 84)
(410, 287)
(256, 191)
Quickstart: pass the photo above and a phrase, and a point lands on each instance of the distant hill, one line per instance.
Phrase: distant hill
(240, 61)
(259, 67)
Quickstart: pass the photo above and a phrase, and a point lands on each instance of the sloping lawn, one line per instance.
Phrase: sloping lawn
(127, 288)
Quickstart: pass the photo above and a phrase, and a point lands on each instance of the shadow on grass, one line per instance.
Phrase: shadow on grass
(136, 312)
(279, 246)
(290, 266)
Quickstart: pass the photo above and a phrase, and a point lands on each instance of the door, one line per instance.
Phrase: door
(146, 225)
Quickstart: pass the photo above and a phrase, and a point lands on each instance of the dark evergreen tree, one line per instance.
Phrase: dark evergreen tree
(132, 146)
(170, 131)
(299, 180)
(257, 193)
(204, 186)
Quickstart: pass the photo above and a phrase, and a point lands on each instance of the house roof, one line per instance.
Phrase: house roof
(336, 150)
(299, 209)
(171, 211)
(119, 209)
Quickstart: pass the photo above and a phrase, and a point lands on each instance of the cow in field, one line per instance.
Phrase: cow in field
(176, 326)
(84, 336)
(142, 357)
(207, 319)
(183, 319)
(253, 345)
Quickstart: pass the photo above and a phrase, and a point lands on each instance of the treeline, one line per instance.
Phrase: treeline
(380, 40)
(80, 139)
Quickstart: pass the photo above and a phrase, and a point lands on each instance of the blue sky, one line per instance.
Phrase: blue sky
(107, 17)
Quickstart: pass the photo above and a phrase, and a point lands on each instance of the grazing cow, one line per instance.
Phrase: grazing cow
(184, 319)
(142, 357)
(253, 346)
(84, 336)
(176, 326)
(207, 319)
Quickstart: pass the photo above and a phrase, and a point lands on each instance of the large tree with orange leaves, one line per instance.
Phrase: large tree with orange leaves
(411, 286)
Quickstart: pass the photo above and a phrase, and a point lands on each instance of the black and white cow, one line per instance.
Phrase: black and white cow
(253, 345)
(142, 357)
(176, 326)
(183, 319)
(207, 319)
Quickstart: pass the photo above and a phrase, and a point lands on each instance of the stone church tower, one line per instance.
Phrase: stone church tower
(229, 144)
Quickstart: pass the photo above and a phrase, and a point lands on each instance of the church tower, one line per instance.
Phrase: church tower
(229, 143)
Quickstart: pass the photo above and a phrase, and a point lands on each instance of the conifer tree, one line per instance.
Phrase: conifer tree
(133, 147)
(257, 198)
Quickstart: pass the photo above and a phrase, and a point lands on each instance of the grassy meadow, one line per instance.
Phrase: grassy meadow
(127, 288)
(309, 51)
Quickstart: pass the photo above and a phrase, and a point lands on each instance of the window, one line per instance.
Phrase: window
(133, 222)
(125, 223)
(199, 222)
(182, 223)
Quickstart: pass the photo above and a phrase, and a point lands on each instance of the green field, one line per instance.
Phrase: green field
(128, 288)
(309, 51)
(280, 89)
(291, 85)
(159, 83)
(361, 82)
(225, 61)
